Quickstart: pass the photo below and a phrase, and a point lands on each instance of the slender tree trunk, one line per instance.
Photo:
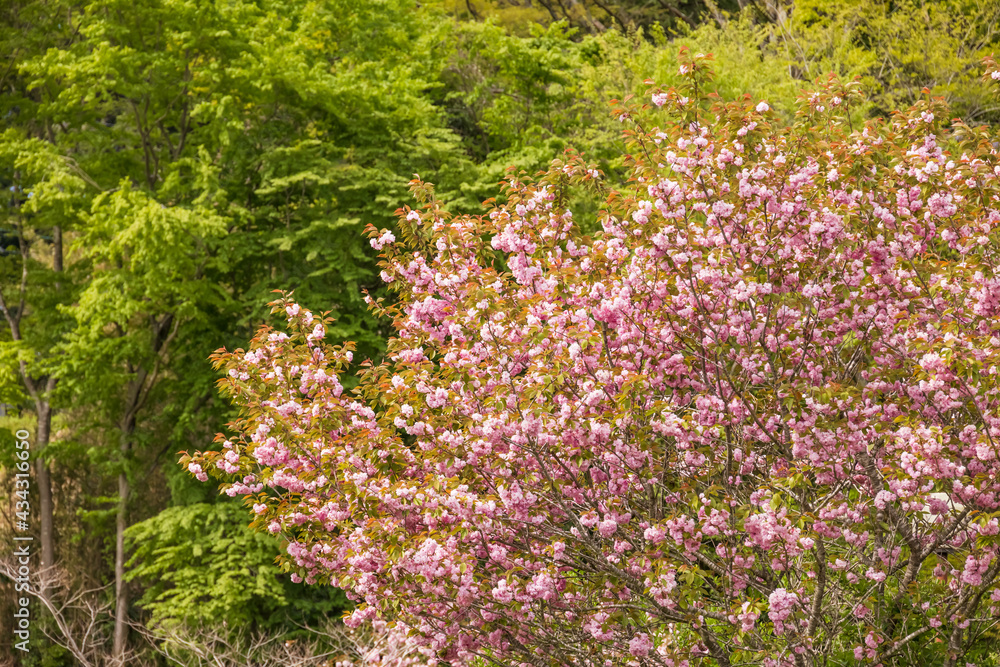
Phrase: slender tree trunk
(40, 389)
(43, 477)
(121, 523)
(43, 481)
(121, 591)
(136, 394)
(57, 251)
(127, 433)
(43, 408)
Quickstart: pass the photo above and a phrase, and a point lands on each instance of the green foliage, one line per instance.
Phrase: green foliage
(148, 260)
(594, 16)
(41, 655)
(897, 48)
(197, 156)
(514, 101)
(43, 190)
(523, 100)
(200, 564)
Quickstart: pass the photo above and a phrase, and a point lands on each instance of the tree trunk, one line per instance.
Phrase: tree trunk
(43, 481)
(44, 435)
(40, 389)
(136, 393)
(121, 591)
(121, 523)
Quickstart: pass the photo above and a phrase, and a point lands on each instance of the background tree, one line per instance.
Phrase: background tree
(897, 48)
(217, 155)
(34, 284)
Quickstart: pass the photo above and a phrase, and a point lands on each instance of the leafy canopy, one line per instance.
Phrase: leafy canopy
(202, 565)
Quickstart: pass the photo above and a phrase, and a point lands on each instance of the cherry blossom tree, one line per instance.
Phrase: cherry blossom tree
(752, 420)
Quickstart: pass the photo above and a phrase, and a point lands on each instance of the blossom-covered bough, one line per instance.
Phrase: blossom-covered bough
(754, 420)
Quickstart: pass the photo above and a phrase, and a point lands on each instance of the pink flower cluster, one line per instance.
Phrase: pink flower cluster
(781, 604)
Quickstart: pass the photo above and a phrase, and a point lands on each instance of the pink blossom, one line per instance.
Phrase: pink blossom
(640, 645)
(607, 527)
(197, 471)
(385, 239)
(781, 603)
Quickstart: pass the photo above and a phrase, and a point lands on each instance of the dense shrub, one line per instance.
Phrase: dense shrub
(754, 420)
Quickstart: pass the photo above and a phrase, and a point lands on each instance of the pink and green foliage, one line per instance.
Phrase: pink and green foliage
(754, 420)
